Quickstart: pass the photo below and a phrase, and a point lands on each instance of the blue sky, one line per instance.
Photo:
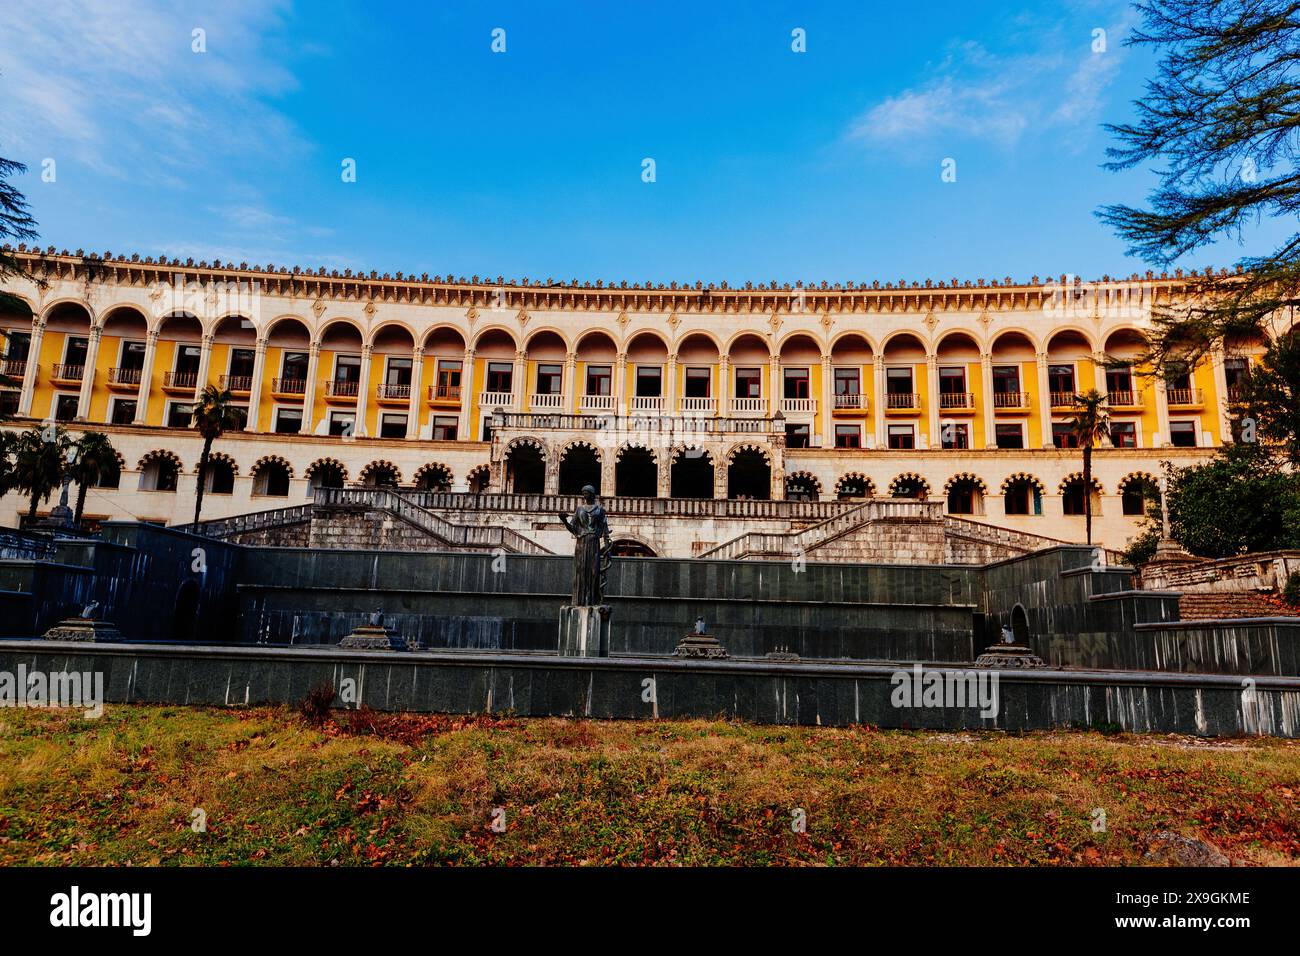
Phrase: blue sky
(769, 164)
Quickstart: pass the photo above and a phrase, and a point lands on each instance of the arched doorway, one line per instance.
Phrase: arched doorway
(580, 466)
(629, 548)
(636, 473)
(749, 475)
(185, 611)
(525, 470)
(691, 475)
(1020, 625)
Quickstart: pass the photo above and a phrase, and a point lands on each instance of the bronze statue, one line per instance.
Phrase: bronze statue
(591, 558)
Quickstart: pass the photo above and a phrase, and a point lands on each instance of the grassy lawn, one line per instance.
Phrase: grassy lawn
(418, 789)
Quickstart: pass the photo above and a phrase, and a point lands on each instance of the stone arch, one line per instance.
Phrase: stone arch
(219, 479)
(387, 324)
(478, 478)
(525, 466)
(1022, 494)
(690, 472)
(1011, 331)
(636, 471)
(433, 476)
(1135, 489)
(630, 546)
(159, 470)
(1072, 491)
(1022, 477)
(336, 321)
(802, 486)
(579, 465)
(854, 484)
(1077, 476)
(271, 476)
(748, 446)
(109, 478)
(964, 493)
(749, 471)
(380, 473)
(327, 473)
(909, 485)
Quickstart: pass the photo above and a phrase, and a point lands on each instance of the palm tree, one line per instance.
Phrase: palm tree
(96, 457)
(1089, 426)
(39, 464)
(213, 414)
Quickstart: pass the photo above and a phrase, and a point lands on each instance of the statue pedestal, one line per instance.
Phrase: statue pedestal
(700, 645)
(374, 637)
(84, 629)
(584, 630)
(1008, 656)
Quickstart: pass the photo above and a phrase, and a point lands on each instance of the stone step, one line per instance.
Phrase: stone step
(1218, 605)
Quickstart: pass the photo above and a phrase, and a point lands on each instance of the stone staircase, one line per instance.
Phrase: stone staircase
(432, 532)
(1221, 605)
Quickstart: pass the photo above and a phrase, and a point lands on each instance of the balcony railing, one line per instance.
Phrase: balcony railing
(749, 406)
(342, 389)
(68, 373)
(799, 406)
(854, 401)
(289, 386)
(1063, 399)
(13, 367)
(546, 400)
(392, 391)
(697, 405)
(902, 400)
(1010, 399)
(124, 376)
(491, 399)
(1184, 396)
(237, 383)
(647, 403)
(1123, 397)
(598, 403)
(956, 399)
(180, 379)
(444, 393)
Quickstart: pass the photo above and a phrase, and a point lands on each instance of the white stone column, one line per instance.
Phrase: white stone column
(990, 418)
(466, 396)
(205, 363)
(776, 391)
(417, 379)
(255, 386)
(363, 391)
(1221, 394)
(670, 399)
(88, 374)
(309, 390)
(569, 384)
(878, 400)
(146, 377)
(620, 391)
(727, 388)
(827, 407)
(934, 439)
(1044, 401)
(518, 381)
(32, 370)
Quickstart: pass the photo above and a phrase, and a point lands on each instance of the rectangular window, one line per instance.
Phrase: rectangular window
(848, 381)
(343, 423)
(749, 383)
(796, 383)
(123, 411)
(392, 426)
(797, 436)
(549, 379)
(500, 377)
(294, 366)
(398, 371)
(1010, 436)
(898, 381)
(848, 436)
(1060, 380)
(1063, 435)
(1123, 434)
(599, 380)
(241, 363)
(187, 359)
(1179, 378)
(954, 435)
(347, 368)
(1182, 434)
(75, 351)
(649, 381)
(65, 407)
(9, 401)
(1235, 371)
(952, 381)
(448, 378)
(698, 382)
(1006, 379)
(179, 414)
(1119, 382)
(288, 421)
(18, 345)
(902, 436)
(444, 428)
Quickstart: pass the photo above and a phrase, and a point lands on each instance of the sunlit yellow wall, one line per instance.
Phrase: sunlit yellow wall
(1029, 385)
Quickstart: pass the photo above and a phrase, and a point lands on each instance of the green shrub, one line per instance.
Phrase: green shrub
(1291, 590)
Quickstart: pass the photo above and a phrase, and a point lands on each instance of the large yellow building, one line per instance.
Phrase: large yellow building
(960, 391)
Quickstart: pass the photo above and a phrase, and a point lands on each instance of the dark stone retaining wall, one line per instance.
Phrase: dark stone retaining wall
(763, 692)
(1249, 646)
